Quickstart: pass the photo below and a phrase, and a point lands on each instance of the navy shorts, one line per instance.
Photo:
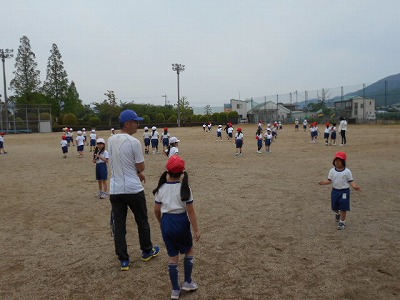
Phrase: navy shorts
(219, 134)
(176, 233)
(101, 171)
(165, 142)
(79, 148)
(230, 134)
(154, 143)
(239, 143)
(267, 142)
(333, 135)
(64, 149)
(259, 144)
(340, 199)
(326, 135)
(146, 142)
(93, 142)
(1, 145)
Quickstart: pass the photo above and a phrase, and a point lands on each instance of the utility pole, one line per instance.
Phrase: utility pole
(178, 68)
(5, 53)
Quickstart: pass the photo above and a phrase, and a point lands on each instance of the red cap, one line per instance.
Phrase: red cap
(175, 164)
(165, 129)
(239, 129)
(341, 155)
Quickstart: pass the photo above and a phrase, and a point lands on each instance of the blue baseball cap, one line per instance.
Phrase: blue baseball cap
(129, 115)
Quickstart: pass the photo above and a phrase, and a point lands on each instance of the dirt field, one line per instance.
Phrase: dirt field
(267, 229)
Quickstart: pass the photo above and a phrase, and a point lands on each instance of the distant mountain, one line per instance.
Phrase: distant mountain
(375, 91)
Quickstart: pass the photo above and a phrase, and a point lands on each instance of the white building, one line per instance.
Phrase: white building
(356, 108)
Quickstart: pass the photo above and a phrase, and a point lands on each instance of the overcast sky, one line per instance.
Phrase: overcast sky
(231, 48)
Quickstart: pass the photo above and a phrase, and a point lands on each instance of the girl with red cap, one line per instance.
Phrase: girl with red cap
(341, 179)
(175, 211)
(239, 141)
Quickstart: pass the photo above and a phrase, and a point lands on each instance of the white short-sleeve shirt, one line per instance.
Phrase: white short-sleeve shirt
(340, 179)
(125, 152)
(169, 196)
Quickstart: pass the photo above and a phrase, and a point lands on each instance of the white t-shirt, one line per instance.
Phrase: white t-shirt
(104, 154)
(93, 136)
(146, 135)
(63, 143)
(155, 135)
(169, 196)
(125, 152)
(80, 140)
(230, 129)
(343, 125)
(239, 136)
(340, 179)
(173, 151)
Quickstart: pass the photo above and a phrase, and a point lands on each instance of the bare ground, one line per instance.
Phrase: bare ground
(267, 229)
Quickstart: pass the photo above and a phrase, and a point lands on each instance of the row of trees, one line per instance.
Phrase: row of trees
(66, 106)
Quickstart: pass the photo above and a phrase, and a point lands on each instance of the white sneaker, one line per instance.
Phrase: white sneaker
(189, 286)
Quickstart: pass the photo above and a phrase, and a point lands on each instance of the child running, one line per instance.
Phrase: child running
(175, 212)
(219, 133)
(239, 141)
(341, 179)
(333, 134)
(146, 140)
(64, 145)
(100, 158)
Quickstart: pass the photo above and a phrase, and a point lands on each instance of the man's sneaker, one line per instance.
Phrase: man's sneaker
(341, 226)
(175, 294)
(337, 217)
(125, 265)
(153, 253)
(189, 286)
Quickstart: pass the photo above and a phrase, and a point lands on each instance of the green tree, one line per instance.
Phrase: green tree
(146, 119)
(233, 117)
(72, 103)
(160, 118)
(172, 119)
(222, 118)
(94, 121)
(27, 78)
(56, 83)
(185, 109)
(69, 119)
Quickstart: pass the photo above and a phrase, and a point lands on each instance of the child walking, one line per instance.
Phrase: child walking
(341, 179)
(333, 134)
(93, 140)
(219, 133)
(172, 148)
(100, 158)
(327, 132)
(165, 139)
(259, 138)
(175, 212)
(154, 139)
(146, 140)
(80, 143)
(268, 140)
(2, 143)
(239, 141)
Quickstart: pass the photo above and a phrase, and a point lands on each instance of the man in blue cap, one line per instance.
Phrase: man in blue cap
(126, 189)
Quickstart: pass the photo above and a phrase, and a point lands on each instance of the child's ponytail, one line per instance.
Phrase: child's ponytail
(161, 181)
(185, 189)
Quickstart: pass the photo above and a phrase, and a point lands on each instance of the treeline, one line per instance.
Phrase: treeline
(67, 109)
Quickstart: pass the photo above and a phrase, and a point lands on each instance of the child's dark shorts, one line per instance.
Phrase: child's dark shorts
(101, 171)
(340, 199)
(176, 233)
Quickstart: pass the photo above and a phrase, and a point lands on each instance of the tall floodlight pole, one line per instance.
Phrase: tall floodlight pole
(178, 68)
(5, 53)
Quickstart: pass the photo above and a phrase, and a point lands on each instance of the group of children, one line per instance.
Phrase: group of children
(329, 133)
(170, 144)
